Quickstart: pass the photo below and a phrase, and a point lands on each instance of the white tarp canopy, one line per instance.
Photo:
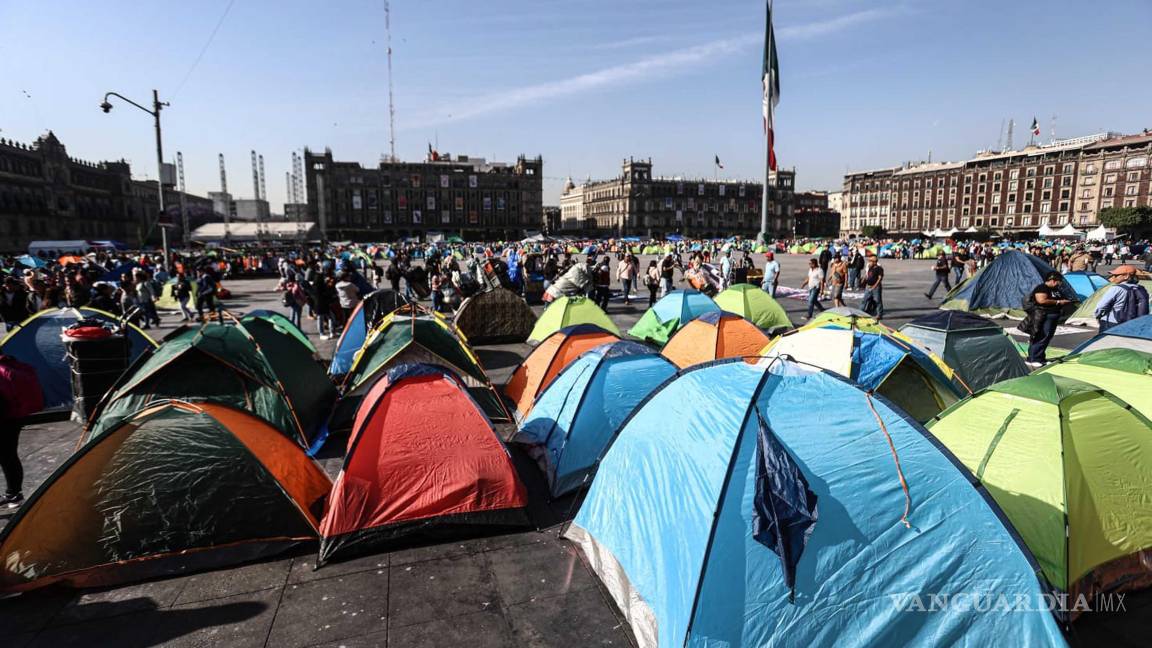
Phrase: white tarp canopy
(255, 232)
(1100, 234)
(939, 233)
(1045, 230)
(1068, 230)
(971, 230)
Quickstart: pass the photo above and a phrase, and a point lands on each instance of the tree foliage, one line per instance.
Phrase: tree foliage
(1127, 219)
(873, 231)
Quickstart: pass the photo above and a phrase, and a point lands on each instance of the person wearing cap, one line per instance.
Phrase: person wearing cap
(1125, 300)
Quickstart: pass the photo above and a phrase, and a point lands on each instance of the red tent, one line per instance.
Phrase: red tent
(422, 459)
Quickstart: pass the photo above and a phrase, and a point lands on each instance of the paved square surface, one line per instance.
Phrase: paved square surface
(525, 589)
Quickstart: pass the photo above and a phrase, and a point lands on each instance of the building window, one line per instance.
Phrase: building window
(1110, 178)
(1136, 163)
(1130, 202)
(1090, 168)
(1050, 169)
(1111, 165)
(1068, 167)
(1045, 207)
(1014, 174)
(1011, 208)
(1064, 206)
(1130, 190)
(1088, 182)
(1031, 172)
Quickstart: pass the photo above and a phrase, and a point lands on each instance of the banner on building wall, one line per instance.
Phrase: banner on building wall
(472, 182)
(722, 187)
(700, 189)
(445, 216)
(500, 203)
(443, 182)
(679, 188)
(741, 191)
(415, 180)
(487, 203)
(402, 202)
(679, 216)
(416, 216)
(691, 203)
(473, 217)
(431, 202)
(387, 216)
(667, 203)
(460, 202)
(357, 202)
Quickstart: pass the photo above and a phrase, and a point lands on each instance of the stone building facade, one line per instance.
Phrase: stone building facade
(1064, 182)
(477, 199)
(47, 195)
(636, 203)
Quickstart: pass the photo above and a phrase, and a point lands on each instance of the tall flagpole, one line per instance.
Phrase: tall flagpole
(764, 201)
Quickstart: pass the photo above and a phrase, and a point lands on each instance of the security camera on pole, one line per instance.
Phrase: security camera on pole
(157, 105)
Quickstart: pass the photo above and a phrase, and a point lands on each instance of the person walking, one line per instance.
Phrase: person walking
(294, 299)
(652, 282)
(855, 269)
(182, 291)
(147, 292)
(837, 278)
(20, 396)
(325, 298)
(941, 269)
(667, 268)
(873, 300)
(771, 274)
(602, 280)
(726, 270)
(1044, 313)
(1125, 300)
(626, 273)
(206, 295)
(959, 258)
(814, 283)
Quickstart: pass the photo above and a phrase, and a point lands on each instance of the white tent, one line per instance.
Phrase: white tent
(1068, 230)
(1099, 234)
(1045, 230)
(971, 230)
(238, 232)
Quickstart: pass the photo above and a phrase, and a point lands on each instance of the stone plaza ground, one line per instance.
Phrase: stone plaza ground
(525, 589)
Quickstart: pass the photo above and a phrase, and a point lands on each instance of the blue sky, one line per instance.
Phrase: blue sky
(582, 82)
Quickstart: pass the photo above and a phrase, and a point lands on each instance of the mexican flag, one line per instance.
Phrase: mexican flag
(771, 81)
(1035, 126)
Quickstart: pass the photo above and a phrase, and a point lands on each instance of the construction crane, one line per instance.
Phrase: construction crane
(186, 237)
(391, 103)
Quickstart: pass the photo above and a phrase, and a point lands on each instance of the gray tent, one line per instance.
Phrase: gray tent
(978, 350)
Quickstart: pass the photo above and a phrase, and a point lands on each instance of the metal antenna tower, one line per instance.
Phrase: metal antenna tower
(391, 103)
(223, 176)
(186, 236)
(255, 177)
(1000, 139)
(1008, 143)
(263, 187)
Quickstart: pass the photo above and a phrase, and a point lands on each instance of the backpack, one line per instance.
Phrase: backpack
(286, 299)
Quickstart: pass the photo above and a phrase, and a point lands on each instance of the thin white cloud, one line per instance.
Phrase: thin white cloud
(832, 25)
(629, 42)
(645, 68)
(650, 67)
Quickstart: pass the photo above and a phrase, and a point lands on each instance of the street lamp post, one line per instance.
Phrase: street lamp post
(157, 105)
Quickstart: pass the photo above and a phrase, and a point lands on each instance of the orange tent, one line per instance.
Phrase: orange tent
(714, 335)
(548, 359)
(174, 489)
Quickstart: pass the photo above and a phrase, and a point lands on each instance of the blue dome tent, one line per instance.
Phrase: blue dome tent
(1001, 286)
(733, 510)
(37, 342)
(668, 315)
(1134, 334)
(1085, 283)
(575, 418)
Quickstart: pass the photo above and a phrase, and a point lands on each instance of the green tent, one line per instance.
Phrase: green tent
(293, 359)
(670, 314)
(1126, 373)
(212, 363)
(754, 305)
(1068, 463)
(977, 349)
(568, 311)
(1085, 314)
(412, 337)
